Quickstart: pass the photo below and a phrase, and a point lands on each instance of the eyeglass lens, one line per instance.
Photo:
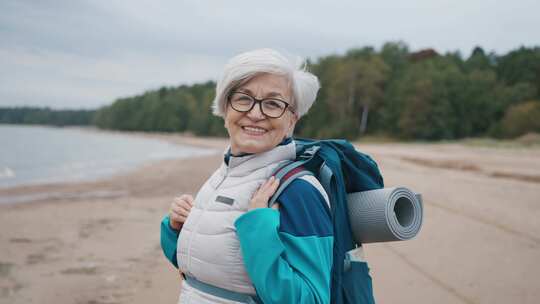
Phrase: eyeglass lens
(270, 107)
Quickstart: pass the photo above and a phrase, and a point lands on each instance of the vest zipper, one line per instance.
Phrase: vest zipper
(195, 228)
(223, 178)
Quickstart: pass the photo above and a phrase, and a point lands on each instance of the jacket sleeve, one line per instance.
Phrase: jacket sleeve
(169, 240)
(288, 253)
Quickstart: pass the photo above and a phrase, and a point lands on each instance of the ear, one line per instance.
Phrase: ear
(225, 118)
(292, 122)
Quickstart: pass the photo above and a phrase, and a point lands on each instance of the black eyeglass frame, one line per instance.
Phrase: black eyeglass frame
(258, 101)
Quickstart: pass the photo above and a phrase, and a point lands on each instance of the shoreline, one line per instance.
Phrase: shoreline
(97, 242)
(38, 191)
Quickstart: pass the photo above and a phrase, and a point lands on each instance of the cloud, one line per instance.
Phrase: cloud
(72, 80)
(87, 53)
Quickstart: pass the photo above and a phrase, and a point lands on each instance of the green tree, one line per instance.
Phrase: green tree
(520, 66)
(357, 87)
(479, 60)
(521, 119)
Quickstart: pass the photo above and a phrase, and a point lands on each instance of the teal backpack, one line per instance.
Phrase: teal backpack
(341, 169)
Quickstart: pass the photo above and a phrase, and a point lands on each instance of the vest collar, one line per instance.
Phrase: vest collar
(242, 164)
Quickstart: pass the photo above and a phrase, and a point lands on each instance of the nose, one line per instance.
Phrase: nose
(255, 113)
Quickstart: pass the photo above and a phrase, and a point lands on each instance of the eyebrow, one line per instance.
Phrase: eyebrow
(271, 94)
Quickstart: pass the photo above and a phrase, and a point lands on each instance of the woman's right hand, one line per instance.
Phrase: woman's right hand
(179, 211)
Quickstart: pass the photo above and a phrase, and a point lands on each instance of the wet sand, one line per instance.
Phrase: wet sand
(98, 242)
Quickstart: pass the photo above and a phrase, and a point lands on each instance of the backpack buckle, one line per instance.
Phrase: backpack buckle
(309, 152)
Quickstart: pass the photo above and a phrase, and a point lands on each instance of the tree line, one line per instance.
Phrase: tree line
(181, 109)
(387, 92)
(425, 95)
(46, 116)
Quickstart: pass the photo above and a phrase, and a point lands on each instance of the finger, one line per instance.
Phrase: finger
(180, 205)
(275, 184)
(184, 198)
(178, 219)
(264, 187)
(260, 189)
(181, 212)
(271, 189)
(185, 208)
(177, 201)
(275, 206)
(184, 205)
(188, 198)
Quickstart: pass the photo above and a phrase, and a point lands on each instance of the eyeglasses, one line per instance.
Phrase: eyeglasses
(270, 107)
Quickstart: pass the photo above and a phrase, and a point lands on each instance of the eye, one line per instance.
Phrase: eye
(273, 104)
(241, 98)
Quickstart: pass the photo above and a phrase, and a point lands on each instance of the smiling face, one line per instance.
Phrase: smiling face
(253, 132)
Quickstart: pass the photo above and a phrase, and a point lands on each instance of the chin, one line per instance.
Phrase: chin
(252, 146)
(255, 148)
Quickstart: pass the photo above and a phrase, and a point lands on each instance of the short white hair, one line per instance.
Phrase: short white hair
(243, 67)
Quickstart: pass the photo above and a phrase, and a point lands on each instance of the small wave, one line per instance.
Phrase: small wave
(6, 173)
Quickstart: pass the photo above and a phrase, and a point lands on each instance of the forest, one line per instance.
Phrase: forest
(390, 92)
(46, 116)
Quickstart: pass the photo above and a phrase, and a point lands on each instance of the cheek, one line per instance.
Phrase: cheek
(229, 119)
(226, 118)
(291, 121)
(284, 128)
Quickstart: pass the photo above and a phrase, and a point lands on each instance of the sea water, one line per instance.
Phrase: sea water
(36, 154)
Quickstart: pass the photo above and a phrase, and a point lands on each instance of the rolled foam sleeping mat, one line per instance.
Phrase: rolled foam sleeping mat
(383, 215)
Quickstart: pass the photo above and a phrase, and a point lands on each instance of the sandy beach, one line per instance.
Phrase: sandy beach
(98, 242)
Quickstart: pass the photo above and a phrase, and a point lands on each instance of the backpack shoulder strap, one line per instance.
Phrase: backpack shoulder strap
(293, 169)
(286, 175)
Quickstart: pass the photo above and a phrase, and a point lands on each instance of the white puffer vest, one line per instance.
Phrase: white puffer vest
(208, 248)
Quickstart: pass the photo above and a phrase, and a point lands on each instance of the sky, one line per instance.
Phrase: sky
(85, 54)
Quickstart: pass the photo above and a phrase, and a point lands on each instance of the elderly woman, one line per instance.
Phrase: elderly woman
(229, 246)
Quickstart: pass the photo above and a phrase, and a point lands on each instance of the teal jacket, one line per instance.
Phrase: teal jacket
(287, 253)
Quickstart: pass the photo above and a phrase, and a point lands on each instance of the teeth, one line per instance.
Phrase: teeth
(255, 129)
